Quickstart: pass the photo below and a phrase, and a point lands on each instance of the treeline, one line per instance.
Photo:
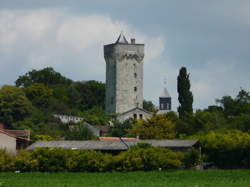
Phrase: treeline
(140, 157)
(41, 93)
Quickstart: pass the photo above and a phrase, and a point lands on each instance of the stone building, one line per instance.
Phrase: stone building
(124, 77)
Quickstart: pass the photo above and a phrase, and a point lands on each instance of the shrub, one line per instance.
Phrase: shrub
(25, 162)
(151, 158)
(51, 160)
(227, 149)
(6, 161)
(191, 158)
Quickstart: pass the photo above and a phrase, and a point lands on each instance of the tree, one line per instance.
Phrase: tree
(185, 95)
(157, 127)
(14, 105)
(80, 132)
(149, 106)
(120, 129)
(39, 94)
(46, 76)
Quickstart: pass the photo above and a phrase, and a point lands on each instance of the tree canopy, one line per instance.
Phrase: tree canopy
(14, 105)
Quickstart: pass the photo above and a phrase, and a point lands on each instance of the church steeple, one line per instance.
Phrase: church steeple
(165, 100)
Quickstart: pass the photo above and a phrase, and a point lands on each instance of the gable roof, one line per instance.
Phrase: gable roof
(136, 108)
(111, 145)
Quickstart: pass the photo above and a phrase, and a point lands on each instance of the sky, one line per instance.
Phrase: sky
(210, 38)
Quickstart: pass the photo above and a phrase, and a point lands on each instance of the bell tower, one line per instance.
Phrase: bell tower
(124, 75)
(165, 100)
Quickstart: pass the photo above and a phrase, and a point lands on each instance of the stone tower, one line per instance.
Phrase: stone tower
(124, 75)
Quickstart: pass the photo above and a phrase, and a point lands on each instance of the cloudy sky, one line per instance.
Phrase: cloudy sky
(210, 38)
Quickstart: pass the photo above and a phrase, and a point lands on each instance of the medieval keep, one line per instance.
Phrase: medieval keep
(124, 79)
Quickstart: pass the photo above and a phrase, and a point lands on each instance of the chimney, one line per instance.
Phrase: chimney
(132, 40)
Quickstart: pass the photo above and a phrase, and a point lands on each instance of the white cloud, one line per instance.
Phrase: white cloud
(73, 44)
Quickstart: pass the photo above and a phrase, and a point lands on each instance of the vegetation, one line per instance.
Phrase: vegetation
(157, 127)
(223, 129)
(180, 178)
(60, 160)
(185, 95)
(41, 93)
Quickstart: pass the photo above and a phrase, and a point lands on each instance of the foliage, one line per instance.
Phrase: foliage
(185, 95)
(42, 137)
(88, 94)
(79, 132)
(149, 106)
(149, 158)
(120, 129)
(6, 161)
(192, 158)
(25, 162)
(59, 160)
(46, 76)
(96, 116)
(156, 127)
(39, 94)
(14, 105)
(227, 149)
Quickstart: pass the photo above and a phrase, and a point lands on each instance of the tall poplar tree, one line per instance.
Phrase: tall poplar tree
(185, 95)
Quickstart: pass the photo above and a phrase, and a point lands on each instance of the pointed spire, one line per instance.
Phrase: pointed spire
(165, 93)
(121, 39)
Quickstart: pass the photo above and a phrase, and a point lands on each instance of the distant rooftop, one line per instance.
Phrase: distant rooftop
(111, 144)
(165, 93)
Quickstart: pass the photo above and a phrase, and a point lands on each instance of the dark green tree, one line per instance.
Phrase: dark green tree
(14, 105)
(80, 132)
(149, 106)
(185, 95)
(46, 76)
(39, 94)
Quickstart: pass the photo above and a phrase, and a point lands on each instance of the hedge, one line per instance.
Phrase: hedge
(61, 160)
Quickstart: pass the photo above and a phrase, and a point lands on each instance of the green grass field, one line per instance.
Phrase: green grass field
(225, 178)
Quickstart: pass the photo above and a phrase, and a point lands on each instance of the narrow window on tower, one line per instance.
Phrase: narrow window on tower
(135, 75)
(135, 88)
(112, 100)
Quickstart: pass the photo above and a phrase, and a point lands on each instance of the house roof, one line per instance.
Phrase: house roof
(111, 145)
(13, 135)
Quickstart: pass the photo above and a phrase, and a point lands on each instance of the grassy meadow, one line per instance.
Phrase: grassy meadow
(225, 178)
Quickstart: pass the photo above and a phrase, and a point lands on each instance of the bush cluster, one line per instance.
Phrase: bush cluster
(227, 149)
(60, 160)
